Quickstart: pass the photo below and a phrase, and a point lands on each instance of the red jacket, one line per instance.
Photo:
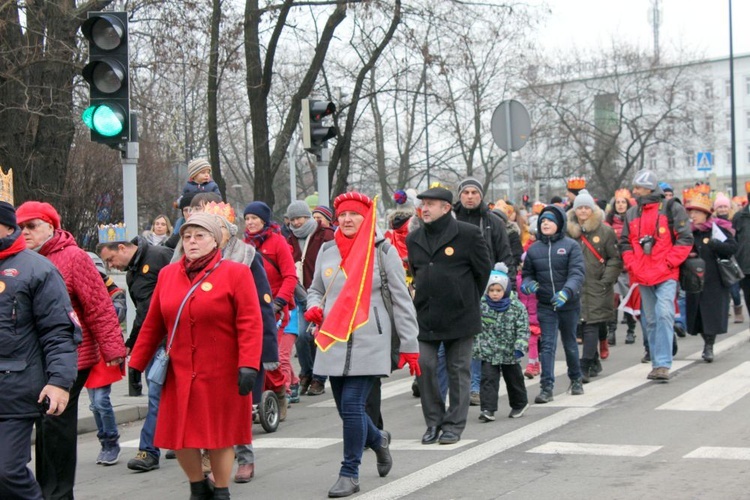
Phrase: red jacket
(279, 265)
(649, 219)
(317, 238)
(220, 330)
(90, 299)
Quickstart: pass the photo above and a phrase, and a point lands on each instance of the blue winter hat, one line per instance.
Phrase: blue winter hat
(548, 215)
(259, 209)
(498, 276)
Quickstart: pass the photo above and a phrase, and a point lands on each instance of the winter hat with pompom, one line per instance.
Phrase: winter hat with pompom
(498, 276)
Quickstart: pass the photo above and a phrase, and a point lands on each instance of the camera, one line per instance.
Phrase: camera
(647, 243)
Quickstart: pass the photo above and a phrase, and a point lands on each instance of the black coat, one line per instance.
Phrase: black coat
(38, 339)
(707, 311)
(741, 224)
(492, 227)
(449, 278)
(141, 277)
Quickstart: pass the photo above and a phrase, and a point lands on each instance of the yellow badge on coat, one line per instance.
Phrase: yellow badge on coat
(449, 251)
(597, 239)
(207, 287)
(705, 240)
(328, 272)
(662, 230)
(267, 298)
(2, 286)
(145, 269)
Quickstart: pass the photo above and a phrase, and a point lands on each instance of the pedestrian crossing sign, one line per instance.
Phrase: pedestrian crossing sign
(704, 160)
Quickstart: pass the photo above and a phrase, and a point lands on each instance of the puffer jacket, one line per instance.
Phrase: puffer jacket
(91, 302)
(597, 304)
(556, 263)
(741, 225)
(502, 333)
(649, 218)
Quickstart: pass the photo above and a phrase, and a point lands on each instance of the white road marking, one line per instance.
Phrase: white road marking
(416, 445)
(133, 443)
(294, 443)
(714, 394)
(449, 466)
(605, 450)
(725, 345)
(604, 388)
(725, 453)
(387, 390)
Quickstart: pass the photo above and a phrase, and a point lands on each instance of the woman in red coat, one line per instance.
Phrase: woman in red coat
(218, 336)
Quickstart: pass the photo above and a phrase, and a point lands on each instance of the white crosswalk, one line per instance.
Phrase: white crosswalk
(714, 394)
(605, 450)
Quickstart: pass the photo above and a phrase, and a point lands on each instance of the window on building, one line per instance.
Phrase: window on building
(748, 153)
(747, 85)
(747, 119)
(708, 90)
(709, 123)
(671, 160)
(727, 88)
(729, 121)
(690, 158)
(729, 156)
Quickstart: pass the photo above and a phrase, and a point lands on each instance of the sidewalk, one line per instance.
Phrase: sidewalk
(127, 408)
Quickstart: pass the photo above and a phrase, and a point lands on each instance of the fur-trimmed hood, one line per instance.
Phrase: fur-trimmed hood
(574, 227)
(401, 211)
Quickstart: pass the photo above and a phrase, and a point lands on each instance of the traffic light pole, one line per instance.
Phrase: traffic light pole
(130, 157)
(324, 197)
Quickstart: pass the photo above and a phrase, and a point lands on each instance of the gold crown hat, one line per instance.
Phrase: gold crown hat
(577, 183)
(223, 209)
(699, 201)
(6, 186)
(537, 207)
(703, 188)
(747, 186)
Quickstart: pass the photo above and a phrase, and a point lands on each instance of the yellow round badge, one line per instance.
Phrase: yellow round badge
(597, 239)
(449, 251)
(2, 286)
(145, 269)
(207, 287)
(705, 240)
(328, 272)
(267, 298)
(662, 230)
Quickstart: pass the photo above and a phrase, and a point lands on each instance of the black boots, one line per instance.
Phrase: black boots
(202, 491)
(630, 336)
(708, 348)
(344, 487)
(385, 461)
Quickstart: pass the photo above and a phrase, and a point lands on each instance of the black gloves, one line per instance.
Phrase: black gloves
(278, 305)
(246, 380)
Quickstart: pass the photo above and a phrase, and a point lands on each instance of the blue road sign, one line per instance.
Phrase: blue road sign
(704, 160)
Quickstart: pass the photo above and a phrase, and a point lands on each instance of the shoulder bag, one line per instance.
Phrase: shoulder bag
(730, 271)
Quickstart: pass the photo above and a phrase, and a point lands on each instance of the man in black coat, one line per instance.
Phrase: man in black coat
(142, 262)
(450, 263)
(38, 352)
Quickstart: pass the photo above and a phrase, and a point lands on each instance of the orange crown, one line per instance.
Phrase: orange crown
(223, 209)
(537, 207)
(740, 201)
(576, 183)
(703, 188)
(747, 187)
(623, 193)
(700, 201)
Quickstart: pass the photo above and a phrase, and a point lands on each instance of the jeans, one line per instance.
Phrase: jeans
(104, 414)
(736, 297)
(681, 319)
(351, 395)
(149, 424)
(476, 374)
(657, 311)
(567, 322)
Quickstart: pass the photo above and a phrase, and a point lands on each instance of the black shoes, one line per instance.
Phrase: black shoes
(544, 397)
(630, 337)
(679, 330)
(344, 487)
(200, 491)
(708, 353)
(431, 435)
(385, 461)
(448, 437)
(143, 462)
(576, 387)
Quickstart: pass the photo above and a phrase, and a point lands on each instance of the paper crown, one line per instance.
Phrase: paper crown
(623, 193)
(223, 209)
(703, 188)
(109, 233)
(537, 207)
(6, 186)
(747, 186)
(699, 201)
(740, 201)
(576, 183)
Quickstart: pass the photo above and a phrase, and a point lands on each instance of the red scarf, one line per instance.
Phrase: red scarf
(18, 246)
(345, 245)
(193, 267)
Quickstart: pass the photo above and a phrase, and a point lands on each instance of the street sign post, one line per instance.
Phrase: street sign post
(510, 127)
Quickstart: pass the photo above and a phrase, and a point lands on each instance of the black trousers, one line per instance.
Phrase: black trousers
(56, 447)
(490, 385)
(745, 285)
(372, 407)
(591, 338)
(16, 480)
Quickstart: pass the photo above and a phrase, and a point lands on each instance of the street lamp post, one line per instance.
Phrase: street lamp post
(731, 104)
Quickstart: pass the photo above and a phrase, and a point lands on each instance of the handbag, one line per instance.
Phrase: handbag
(385, 292)
(730, 271)
(157, 373)
(692, 273)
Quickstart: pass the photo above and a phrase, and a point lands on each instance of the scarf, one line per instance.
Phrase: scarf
(305, 229)
(344, 244)
(501, 305)
(707, 226)
(258, 238)
(193, 267)
(155, 239)
(8, 249)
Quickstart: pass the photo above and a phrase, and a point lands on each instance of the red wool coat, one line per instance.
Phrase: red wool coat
(220, 330)
(282, 275)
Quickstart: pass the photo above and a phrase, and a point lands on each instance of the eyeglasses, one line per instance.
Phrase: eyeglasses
(194, 236)
(31, 225)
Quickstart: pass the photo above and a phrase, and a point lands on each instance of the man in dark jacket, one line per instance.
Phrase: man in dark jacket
(142, 262)
(38, 352)
(741, 225)
(554, 270)
(450, 263)
(656, 239)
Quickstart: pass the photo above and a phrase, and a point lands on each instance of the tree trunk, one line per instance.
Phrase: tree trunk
(213, 92)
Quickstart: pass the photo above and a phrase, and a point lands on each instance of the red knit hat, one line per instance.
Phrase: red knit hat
(353, 201)
(38, 210)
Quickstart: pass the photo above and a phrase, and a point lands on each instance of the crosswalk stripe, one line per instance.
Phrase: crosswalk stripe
(725, 345)
(294, 443)
(725, 453)
(606, 450)
(605, 388)
(416, 445)
(714, 394)
(449, 466)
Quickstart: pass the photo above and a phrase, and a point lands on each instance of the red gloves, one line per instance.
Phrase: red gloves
(413, 359)
(314, 315)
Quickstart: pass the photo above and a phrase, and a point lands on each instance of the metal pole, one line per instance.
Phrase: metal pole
(292, 160)
(322, 170)
(731, 104)
(511, 190)
(426, 127)
(130, 180)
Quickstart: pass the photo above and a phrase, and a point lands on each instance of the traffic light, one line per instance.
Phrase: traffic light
(314, 133)
(107, 75)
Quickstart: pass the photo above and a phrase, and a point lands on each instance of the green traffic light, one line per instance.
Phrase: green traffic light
(104, 120)
(88, 116)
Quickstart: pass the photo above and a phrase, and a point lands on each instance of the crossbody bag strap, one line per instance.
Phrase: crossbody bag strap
(184, 301)
(592, 249)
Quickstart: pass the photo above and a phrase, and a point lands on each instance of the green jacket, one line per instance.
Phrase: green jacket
(502, 333)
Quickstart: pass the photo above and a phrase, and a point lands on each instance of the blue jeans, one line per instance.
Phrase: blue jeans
(476, 374)
(550, 321)
(104, 415)
(351, 395)
(681, 319)
(736, 297)
(149, 424)
(657, 311)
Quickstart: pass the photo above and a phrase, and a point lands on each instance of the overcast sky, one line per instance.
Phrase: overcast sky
(701, 26)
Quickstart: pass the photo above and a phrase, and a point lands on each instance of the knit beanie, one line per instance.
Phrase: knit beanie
(352, 201)
(584, 199)
(7, 214)
(186, 199)
(498, 276)
(471, 182)
(298, 209)
(721, 201)
(259, 209)
(325, 212)
(38, 210)
(645, 179)
(197, 166)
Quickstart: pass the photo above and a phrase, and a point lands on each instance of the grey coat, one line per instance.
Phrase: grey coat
(368, 351)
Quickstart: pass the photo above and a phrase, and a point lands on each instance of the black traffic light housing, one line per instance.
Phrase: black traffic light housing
(107, 73)
(314, 132)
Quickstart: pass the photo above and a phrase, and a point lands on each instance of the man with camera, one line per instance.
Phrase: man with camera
(656, 238)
